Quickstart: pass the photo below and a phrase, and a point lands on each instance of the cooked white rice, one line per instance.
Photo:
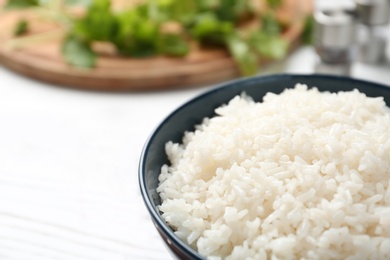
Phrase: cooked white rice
(302, 175)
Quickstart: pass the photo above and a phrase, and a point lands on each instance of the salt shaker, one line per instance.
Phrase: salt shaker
(334, 41)
(373, 17)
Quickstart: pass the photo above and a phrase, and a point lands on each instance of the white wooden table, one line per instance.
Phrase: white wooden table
(69, 160)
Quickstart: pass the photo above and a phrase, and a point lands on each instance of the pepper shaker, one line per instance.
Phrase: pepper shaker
(334, 41)
(373, 17)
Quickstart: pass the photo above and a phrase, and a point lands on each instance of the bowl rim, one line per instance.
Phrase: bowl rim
(159, 223)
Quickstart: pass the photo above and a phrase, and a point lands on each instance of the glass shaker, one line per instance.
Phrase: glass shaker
(373, 17)
(334, 41)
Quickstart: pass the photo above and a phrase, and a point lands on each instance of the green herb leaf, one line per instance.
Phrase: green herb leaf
(180, 11)
(232, 10)
(274, 3)
(21, 4)
(137, 36)
(209, 30)
(173, 45)
(269, 46)
(99, 23)
(307, 34)
(270, 24)
(21, 28)
(78, 2)
(78, 53)
(242, 54)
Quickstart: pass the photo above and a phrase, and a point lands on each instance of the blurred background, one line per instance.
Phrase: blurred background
(69, 153)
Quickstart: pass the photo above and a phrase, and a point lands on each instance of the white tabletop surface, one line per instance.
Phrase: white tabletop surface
(69, 160)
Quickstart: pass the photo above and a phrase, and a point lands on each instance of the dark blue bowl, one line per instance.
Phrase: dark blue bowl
(191, 113)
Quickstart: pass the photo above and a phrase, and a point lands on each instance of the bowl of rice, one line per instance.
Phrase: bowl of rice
(273, 167)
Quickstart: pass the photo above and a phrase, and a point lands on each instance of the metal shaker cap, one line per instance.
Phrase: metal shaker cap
(334, 28)
(373, 12)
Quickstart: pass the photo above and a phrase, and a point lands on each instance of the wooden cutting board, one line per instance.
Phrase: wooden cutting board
(43, 61)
